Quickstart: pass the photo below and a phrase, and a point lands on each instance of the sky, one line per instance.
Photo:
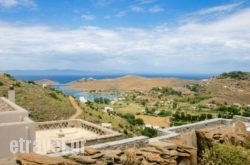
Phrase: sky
(127, 36)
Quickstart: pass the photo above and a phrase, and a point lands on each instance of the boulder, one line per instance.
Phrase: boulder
(163, 145)
(83, 159)
(150, 149)
(240, 128)
(90, 151)
(184, 161)
(152, 157)
(36, 159)
(96, 156)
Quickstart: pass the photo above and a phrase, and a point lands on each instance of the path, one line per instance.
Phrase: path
(76, 107)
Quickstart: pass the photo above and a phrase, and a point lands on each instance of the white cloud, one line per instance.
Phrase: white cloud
(121, 14)
(146, 6)
(156, 9)
(143, 2)
(216, 9)
(213, 13)
(101, 3)
(153, 9)
(88, 17)
(14, 3)
(189, 47)
(137, 9)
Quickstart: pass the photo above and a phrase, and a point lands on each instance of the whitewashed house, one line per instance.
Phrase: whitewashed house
(82, 99)
(107, 125)
(108, 109)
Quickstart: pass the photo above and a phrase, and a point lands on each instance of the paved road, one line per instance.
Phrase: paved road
(76, 107)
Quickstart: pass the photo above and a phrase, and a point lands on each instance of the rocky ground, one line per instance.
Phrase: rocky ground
(153, 153)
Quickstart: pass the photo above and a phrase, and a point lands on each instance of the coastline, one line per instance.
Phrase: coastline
(65, 79)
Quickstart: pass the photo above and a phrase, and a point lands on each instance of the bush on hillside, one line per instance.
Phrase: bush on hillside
(239, 75)
(150, 132)
(225, 154)
(9, 76)
(101, 100)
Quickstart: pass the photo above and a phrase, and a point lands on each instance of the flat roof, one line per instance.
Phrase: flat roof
(68, 134)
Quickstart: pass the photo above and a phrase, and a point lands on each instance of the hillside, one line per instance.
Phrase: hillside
(238, 75)
(46, 81)
(44, 104)
(178, 101)
(127, 83)
(231, 88)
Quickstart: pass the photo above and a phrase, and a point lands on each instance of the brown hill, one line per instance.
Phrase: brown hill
(228, 90)
(126, 83)
(46, 81)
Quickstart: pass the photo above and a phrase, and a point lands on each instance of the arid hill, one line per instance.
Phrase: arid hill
(228, 90)
(46, 81)
(126, 83)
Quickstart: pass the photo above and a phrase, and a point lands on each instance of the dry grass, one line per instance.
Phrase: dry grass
(153, 120)
(228, 90)
(131, 157)
(43, 104)
(98, 117)
(132, 108)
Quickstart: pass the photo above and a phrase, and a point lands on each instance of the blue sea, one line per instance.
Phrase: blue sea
(63, 81)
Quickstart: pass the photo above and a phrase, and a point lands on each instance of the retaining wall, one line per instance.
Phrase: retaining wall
(137, 142)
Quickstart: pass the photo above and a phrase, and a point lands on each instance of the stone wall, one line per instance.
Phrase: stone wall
(74, 123)
(241, 118)
(198, 125)
(137, 142)
(176, 145)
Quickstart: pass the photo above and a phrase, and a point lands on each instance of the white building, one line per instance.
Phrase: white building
(108, 109)
(107, 125)
(82, 99)
(15, 125)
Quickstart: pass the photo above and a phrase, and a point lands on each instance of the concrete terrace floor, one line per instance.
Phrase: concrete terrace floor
(45, 138)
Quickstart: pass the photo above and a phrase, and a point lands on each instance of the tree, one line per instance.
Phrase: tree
(150, 132)
(174, 105)
(139, 121)
(130, 118)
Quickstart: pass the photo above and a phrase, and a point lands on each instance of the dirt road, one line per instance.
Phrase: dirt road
(76, 107)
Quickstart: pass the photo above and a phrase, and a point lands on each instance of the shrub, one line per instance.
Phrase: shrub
(120, 125)
(165, 113)
(1, 83)
(101, 100)
(53, 95)
(139, 121)
(225, 154)
(150, 132)
(130, 118)
(17, 84)
(235, 75)
(9, 76)
(125, 132)
(31, 82)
